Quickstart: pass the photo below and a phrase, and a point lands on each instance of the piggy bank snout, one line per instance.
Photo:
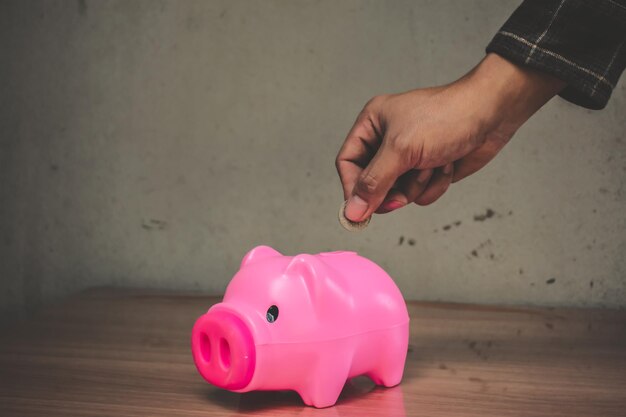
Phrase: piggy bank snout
(223, 350)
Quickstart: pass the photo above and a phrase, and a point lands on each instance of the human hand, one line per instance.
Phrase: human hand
(410, 147)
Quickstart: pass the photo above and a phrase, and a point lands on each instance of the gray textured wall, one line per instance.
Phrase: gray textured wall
(152, 143)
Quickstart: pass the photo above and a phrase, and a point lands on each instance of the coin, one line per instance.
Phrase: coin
(348, 224)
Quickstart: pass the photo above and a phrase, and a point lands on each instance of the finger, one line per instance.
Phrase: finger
(408, 187)
(373, 184)
(356, 152)
(437, 186)
(478, 158)
(393, 200)
(413, 186)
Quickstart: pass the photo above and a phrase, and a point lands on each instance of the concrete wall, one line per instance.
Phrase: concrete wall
(152, 143)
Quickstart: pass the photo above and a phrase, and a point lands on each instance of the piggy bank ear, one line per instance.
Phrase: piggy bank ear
(260, 252)
(311, 271)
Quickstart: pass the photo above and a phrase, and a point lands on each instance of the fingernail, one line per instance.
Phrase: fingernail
(356, 208)
(392, 205)
(447, 169)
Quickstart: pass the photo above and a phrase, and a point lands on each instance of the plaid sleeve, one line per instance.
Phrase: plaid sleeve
(578, 41)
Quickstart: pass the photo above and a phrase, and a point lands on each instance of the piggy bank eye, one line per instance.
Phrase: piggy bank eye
(272, 314)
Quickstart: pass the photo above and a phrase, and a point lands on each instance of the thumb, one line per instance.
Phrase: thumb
(373, 184)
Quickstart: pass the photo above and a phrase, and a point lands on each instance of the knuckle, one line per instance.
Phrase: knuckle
(401, 145)
(405, 150)
(425, 199)
(368, 184)
(432, 194)
(374, 103)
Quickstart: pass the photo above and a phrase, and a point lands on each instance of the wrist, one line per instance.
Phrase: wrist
(511, 93)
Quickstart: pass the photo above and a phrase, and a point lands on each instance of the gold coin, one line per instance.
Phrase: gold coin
(349, 225)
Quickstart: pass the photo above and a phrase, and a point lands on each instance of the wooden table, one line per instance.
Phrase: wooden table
(112, 352)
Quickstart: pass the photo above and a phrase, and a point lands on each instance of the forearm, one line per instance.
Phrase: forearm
(581, 42)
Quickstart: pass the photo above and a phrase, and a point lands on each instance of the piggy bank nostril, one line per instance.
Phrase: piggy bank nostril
(225, 353)
(223, 349)
(205, 347)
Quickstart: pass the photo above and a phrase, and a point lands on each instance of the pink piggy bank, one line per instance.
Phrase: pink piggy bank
(305, 323)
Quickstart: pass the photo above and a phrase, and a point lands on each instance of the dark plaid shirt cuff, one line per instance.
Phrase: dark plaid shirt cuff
(581, 42)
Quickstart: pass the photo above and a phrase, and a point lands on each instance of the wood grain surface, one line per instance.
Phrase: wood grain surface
(112, 352)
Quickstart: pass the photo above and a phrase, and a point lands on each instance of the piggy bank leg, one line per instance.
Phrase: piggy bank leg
(387, 376)
(323, 387)
(388, 372)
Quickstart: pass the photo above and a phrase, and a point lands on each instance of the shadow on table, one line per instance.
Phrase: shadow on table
(359, 397)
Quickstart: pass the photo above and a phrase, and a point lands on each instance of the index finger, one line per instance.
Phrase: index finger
(357, 151)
